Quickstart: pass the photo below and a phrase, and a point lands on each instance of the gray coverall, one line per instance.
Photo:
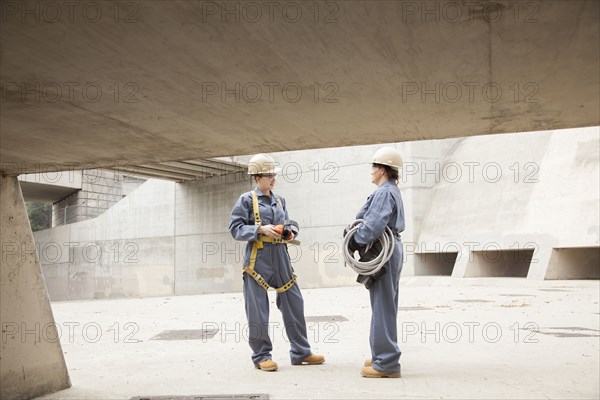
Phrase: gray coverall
(384, 207)
(273, 263)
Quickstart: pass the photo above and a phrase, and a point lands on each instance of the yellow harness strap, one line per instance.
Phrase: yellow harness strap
(259, 245)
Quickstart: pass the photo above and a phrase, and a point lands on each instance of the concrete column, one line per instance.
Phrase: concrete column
(539, 263)
(31, 358)
(463, 259)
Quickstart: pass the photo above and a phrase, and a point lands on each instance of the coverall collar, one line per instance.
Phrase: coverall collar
(271, 194)
(386, 182)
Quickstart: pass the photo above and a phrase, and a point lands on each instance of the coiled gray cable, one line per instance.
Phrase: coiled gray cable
(368, 267)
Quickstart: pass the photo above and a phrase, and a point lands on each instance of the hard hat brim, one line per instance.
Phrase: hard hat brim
(275, 170)
(394, 167)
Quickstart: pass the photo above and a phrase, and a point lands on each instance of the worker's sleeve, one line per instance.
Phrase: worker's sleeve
(285, 211)
(375, 218)
(240, 225)
(363, 210)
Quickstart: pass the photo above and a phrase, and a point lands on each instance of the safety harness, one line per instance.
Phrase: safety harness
(249, 269)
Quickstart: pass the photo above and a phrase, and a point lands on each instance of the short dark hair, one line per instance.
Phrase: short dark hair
(390, 172)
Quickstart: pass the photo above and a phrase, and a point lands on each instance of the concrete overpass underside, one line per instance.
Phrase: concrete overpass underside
(118, 84)
(145, 82)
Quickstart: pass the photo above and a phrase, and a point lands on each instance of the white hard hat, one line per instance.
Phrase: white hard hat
(262, 164)
(388, 156)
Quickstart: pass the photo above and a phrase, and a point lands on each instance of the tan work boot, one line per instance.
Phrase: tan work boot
(370, 372)
(313, 359)
(368, 363)
(267, 365)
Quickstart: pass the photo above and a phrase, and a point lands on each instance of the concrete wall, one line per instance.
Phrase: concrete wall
(537, 191)
(178, 232)
(479, 206)
(207, 259)
(127, 251)
(31, 358)
(100, 190)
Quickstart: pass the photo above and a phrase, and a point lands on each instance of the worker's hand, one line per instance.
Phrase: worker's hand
(353, 246)
(269, 230)
(372, 253)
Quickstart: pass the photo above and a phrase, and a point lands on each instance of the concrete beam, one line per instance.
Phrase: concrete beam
(211, 166)
(156, 171)
(50, 186)
(181, 171)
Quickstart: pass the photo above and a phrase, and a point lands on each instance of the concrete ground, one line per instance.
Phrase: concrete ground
(478, 338)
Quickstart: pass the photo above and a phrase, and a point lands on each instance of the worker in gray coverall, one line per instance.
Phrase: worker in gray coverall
(255, 219)
(383, 208)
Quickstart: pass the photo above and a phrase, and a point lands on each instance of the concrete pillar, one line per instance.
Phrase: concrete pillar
(540, 262)
(31, 358)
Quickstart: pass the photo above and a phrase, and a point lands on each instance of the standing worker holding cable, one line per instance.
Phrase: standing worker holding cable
(376, 236)
(261, 218)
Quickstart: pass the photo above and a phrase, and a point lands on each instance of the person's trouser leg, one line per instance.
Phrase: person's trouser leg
(291, 305)
(257, 313)
(383, 338)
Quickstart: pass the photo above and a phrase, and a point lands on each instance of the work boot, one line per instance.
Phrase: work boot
(313, 359)
(368, 362)
(267, 365)
(370, 372)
